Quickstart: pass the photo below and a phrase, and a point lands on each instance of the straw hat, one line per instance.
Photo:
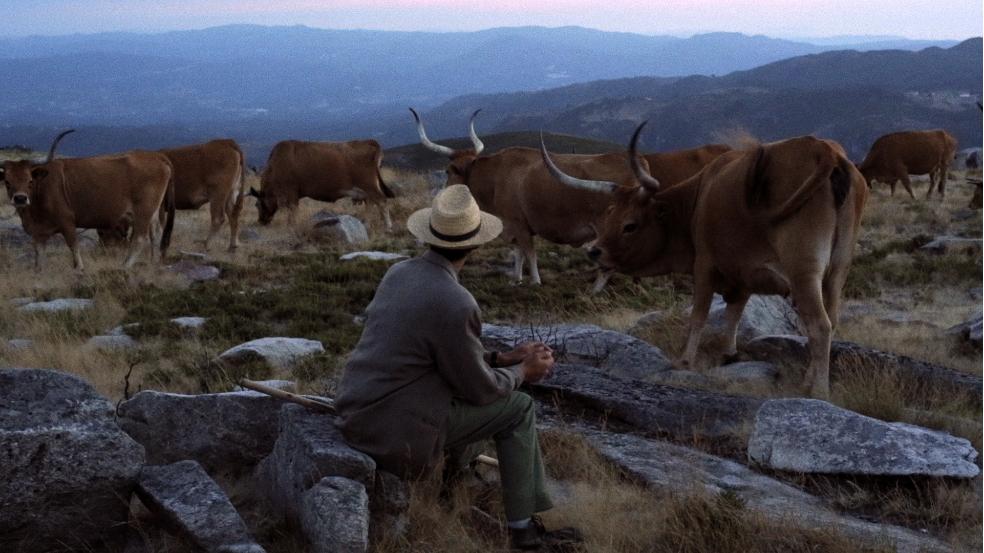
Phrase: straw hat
(454, 221)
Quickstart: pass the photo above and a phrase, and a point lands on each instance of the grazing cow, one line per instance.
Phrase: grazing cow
(106, 192)
(324, 171)
(213, 173)
(514, 185)
(893, 157)
(781, 218)
(674, 167)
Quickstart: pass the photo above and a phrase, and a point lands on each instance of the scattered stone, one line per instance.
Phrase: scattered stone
(112, 343)
(969, 331)
(976, 293)
(681, 470)
(18, 302)
(335, 516)
(67, 468)
(813, 436)
(339, 228)
(194, 255)
(686, 378)
(195, 272)
(308, 448)
(373, 256)
(19, 344)
(190, 325)
(122, 330)
(618, 353)
(762, 315)
(904, 319)
(183, 494)
(952, 244)
(248, 235)
(791, 352)
(278, 352)
(56, 306)
(654, 408)
(220, 431)
(747, 372)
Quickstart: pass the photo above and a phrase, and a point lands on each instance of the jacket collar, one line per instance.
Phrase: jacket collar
(437, 259)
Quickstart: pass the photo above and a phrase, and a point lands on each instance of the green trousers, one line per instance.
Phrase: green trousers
(511, 423)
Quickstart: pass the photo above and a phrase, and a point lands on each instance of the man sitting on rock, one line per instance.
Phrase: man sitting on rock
(420, 386)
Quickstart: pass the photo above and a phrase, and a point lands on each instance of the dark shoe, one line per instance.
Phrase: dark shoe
(535, 537)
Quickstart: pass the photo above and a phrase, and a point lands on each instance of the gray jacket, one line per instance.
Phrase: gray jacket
(420, 347)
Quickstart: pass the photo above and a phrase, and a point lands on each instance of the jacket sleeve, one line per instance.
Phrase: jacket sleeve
(461, 360)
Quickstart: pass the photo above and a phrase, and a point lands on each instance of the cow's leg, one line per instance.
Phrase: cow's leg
(944, 174)
(933, 176)
(600, 281)
(703, 294)
(216, 210)
(908, 185)
(39, 256)
(534, 266)
(233, 214)
(71, 240)
(141, 232)
(385, 212)
(518, 258)
(732, 317)
(807, 293)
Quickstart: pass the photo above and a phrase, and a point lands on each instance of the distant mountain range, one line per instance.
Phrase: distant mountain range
(261, 84)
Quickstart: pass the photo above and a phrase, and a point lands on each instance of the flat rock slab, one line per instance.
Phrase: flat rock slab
(335, 516)
(813, 436)
(762, 315)
(309, 447)
(791, 351)
(195, 272)
(184, 495)
(585, 344)
(746, 372)
(66, 469)
(120, 342)
(57, 306)
(952, 244)
(220, 431)
(19, 344)
(277, 352)
(189, 323)
(683, 470)
(679, 413)
(373, 256)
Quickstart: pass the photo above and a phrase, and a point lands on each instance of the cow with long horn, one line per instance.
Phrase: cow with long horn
(106, 193)
(780, 218)
(514, 185)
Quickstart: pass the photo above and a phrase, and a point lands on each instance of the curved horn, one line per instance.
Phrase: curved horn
(593, 185)
(54, 144)
(644, 178)
(474, 137)
(436, 148)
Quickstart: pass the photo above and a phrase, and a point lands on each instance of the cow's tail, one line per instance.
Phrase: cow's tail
(828, 172)
(387, 191)
(169, 206)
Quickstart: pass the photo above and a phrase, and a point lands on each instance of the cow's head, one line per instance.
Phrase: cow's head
(634, 235)
(266, 204)
(460, 160)
(21, 177)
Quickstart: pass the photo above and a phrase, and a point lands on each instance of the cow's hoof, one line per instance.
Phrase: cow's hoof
(729, 358)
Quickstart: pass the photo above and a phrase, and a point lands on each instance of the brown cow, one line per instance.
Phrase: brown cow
(893, 157)
(324, 171)
(514, 185)
(106, 192)
(674, 167)
(213, 173)
(781, 218)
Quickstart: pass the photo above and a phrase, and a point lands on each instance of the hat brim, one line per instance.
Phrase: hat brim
(419, 225)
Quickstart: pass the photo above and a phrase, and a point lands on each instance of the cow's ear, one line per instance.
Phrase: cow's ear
(253, 192)
(38, 173)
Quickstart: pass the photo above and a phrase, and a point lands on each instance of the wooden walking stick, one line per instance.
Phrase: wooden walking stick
(323, 405)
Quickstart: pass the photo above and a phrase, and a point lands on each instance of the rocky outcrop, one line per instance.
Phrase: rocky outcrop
(791, 352)
(335, 516)
(813, 436)
(66, 468)
(679, 413)
(309, 447)
(343, 229)
(189, 325)
(617, 353)
(56, 306)
(746, 372)
(220, 431)
(682, 470)
(762, 315)
(373, 256)
(120, 342)
(389, 503)
(277, 353)
(191, 502)
(968, 331)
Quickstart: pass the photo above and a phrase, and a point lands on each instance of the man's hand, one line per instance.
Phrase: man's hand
(517, 355)
(537, 365)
